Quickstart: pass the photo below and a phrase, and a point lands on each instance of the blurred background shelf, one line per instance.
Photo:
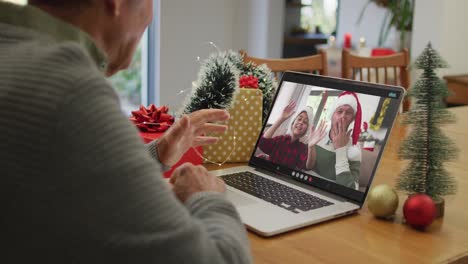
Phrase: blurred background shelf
(298, 45)
(458, 85)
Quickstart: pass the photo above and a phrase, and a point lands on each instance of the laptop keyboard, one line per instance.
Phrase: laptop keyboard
(273, 192)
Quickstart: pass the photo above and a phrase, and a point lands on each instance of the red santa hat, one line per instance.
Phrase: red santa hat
(351, 99)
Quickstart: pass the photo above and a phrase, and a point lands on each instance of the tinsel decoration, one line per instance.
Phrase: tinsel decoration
(427, 147)
(218, 81)
(214, 76)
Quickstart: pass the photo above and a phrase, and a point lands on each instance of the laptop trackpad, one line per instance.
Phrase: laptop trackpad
(239, 199)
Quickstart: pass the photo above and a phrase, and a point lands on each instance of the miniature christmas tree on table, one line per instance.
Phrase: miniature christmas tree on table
(427, 147)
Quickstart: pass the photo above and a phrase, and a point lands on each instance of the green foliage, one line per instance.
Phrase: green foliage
(218, 82)
(427, 147)
(315, 14)
(128, 82)
(399, 14)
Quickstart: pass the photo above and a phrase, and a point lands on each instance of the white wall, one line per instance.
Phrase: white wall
(284, 98)
(258, 27)
(369, 28)
(442, 23)
(275, 28)
(187, 26)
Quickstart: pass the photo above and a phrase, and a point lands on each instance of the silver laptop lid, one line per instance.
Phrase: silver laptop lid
(327, 132)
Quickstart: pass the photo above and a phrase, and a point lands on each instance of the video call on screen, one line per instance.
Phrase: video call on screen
(351, 165)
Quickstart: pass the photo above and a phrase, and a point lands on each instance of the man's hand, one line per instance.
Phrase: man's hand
(338, 134)
(189, 179)
(188, 131)
(317, 134)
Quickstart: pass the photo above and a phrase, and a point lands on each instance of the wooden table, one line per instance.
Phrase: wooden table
(361, 238)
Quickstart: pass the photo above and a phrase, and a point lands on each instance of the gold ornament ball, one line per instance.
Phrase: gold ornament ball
(382, 201)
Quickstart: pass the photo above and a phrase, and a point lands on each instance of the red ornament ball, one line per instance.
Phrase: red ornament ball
(419, 210)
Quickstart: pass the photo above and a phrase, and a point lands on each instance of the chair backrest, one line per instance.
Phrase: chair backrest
(392, 69)
(311, 64)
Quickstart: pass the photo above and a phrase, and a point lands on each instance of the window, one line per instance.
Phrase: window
(135, 86)
(320, 101)
(129, 83)
(307, 24)
(319, 16)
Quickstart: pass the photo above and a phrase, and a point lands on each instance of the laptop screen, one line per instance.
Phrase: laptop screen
(328, 132)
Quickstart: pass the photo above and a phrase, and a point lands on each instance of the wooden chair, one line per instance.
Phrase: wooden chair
(311, 64)
(392, 69)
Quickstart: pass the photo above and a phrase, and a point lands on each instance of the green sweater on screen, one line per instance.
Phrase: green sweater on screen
(77, 183)
(341, 165)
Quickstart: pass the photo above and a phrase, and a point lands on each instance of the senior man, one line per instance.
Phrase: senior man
(78, 185)
(337, 154)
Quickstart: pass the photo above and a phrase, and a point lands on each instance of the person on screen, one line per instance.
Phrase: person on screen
(288, 149)
(337, 156)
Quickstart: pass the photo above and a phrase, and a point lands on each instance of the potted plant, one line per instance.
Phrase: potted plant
(399, 14)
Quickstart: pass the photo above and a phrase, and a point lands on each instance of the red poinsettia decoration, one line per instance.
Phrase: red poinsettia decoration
(366, 126)
(152, 119)
(248, 81)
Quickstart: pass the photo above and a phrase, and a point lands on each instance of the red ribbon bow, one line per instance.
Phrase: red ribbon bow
(248, 81)
(152, 119)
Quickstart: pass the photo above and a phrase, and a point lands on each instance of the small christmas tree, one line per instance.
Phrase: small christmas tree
(427, 147)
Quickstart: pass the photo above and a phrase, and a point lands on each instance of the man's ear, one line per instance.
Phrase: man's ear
(114, 7)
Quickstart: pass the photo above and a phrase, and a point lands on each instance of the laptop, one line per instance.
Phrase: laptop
(295, 179)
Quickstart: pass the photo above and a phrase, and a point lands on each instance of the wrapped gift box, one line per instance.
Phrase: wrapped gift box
(237, 144)
(189, 156)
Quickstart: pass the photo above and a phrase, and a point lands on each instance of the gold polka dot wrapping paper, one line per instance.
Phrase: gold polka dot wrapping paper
(237, 144)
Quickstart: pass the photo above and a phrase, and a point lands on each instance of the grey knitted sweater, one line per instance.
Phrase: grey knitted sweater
(77, 183)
